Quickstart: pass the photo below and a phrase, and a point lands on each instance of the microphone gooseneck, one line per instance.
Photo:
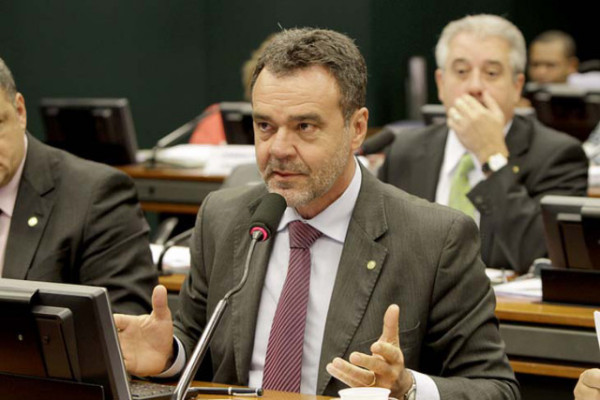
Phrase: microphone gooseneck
(170, 243)
(263, 223)
(376, 143)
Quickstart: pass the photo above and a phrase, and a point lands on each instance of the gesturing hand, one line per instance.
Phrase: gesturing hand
(384, 368)
(588, 386)
(479, 127)
(147, 340)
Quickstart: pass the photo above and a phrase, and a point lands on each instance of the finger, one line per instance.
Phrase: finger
(391, 353)
(121, 321)
(491, 104)
(465, 106)
(350, 374)
(374, 363)
(160, 307)
(390, 333)
(591, 378)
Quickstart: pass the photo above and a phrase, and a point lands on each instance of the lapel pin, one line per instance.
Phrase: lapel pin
(32, 221)
(371, 265)
(516, 169)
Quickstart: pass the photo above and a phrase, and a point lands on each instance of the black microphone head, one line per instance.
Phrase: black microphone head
(377, 143)
(267, 215)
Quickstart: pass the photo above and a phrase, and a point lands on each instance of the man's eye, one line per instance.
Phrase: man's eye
(262, 126)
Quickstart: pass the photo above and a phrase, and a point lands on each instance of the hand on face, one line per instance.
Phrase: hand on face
(384, 367)
(147, 340)
(588, 386)
(479, 127)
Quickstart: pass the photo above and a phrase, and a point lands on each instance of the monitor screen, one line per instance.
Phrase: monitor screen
(55, 332)
(98, 129)
(237, 122)
(572, 231)
(567, 109)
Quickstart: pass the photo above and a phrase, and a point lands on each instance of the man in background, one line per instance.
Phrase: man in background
(552, 57)
(64, 219)
(486, 161)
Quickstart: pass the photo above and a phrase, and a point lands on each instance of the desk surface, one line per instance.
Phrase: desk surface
(267, 395)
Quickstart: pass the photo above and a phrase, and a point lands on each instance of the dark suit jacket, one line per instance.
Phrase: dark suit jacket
(427, 262)
(541, 161)
(90, 228)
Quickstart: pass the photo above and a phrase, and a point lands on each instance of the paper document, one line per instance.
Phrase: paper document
(176, 260)
(499, 275)
(531, 287)
(597, 320)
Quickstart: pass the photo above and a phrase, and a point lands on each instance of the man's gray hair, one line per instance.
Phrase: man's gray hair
(484, 26)
(294, 49)
(7, 82)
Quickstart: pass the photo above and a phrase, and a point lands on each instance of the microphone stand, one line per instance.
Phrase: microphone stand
(170, 243)
(200, 351)
(178, 134)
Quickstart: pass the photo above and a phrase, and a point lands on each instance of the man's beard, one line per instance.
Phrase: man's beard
(314, 184)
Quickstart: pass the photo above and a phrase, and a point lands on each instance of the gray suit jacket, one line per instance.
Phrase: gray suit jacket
(427, 262)
(541, 161)
(90, 228)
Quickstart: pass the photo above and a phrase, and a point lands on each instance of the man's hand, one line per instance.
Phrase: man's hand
(588, 386)
(147, 340)
(384, 368)
(479, 127)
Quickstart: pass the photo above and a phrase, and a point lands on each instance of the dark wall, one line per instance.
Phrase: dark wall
(173, 58)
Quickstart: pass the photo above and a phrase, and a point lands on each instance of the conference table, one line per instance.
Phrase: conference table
(267, 394)
(554, 340)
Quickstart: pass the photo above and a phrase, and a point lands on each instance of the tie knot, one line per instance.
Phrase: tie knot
(302, 235)
(465, 165)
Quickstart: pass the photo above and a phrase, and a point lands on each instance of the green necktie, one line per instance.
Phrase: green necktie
(459, 186)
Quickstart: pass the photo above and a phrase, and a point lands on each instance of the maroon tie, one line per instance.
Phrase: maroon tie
(283, 363)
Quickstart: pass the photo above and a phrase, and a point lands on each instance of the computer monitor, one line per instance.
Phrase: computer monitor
(237, 122)
(436, 113)
(572, 231)
(53, 333)
(567, 109)
(98, 129)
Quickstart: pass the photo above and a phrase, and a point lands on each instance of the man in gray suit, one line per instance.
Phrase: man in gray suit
(382, 255)
(64, 219)
(508, 162)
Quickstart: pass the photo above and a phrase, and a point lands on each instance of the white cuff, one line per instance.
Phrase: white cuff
(177, 365)
(426, 387)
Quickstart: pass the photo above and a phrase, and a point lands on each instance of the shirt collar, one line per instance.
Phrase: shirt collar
(334, 220)
(455, 150)
(8, 193)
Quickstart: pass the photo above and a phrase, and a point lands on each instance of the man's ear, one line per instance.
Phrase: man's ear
(439, 82)
(21, 110)
(358, 127)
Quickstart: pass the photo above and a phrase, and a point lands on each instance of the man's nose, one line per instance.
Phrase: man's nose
(475, 84)
(283, 145)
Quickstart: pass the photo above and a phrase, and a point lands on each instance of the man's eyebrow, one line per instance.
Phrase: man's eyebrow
(260, 116)
(307, 117)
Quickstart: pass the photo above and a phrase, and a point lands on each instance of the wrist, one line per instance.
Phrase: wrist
(494, 163)
(411, 393)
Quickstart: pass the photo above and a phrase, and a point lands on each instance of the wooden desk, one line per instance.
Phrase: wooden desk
(541, 339)
(267, 395)
(548, 339)
(172, 190)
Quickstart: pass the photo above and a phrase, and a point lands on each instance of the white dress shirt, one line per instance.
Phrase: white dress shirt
(8, 197)
(453, 152)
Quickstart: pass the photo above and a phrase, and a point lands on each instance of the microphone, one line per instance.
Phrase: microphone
(183, 236)
(263, 223)
(376, 143)
(178, 133)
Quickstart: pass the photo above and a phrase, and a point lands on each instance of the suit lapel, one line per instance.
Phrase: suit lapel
(518, 140)
(32, 210)
(354, 282)
(244, 305)
(428, 158)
